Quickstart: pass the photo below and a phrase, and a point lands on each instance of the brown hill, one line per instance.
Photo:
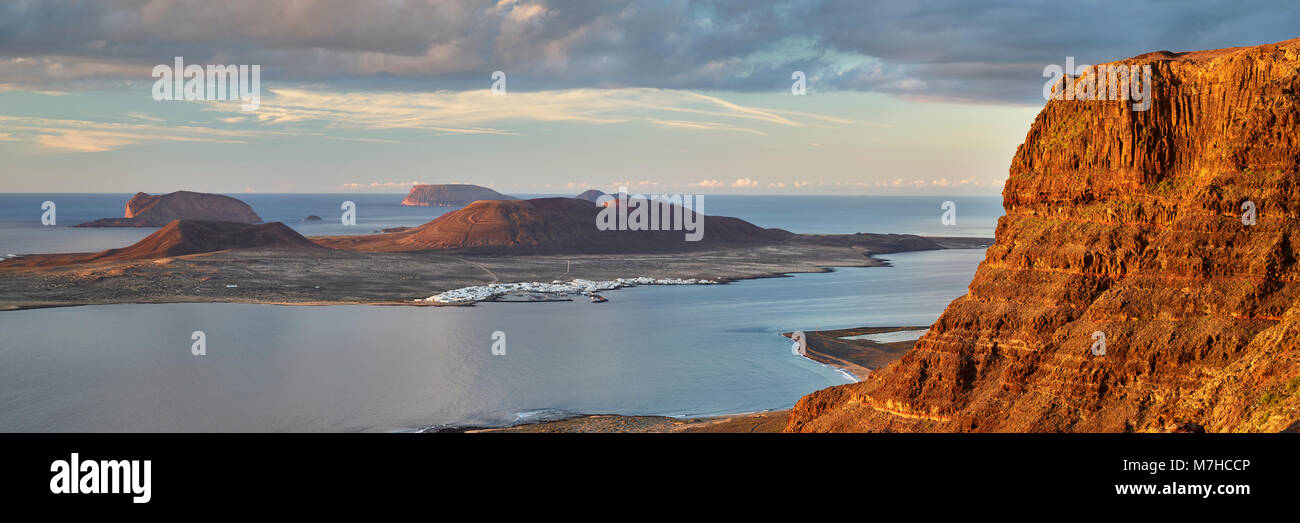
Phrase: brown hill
(144, 210)
(1130, 224)
(179, 238)
(550, 225)
(182, 237)
(450, 195)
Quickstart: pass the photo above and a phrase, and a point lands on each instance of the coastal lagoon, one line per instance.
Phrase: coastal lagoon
(652, 350)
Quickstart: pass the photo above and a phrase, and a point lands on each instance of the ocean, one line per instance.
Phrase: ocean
(21, 231)
(652, 350)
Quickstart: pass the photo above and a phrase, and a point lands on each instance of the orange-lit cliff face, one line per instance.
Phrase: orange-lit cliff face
(450, 195)
(1127, 223)
(144, 210)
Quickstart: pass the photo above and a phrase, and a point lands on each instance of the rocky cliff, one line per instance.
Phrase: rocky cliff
(450, 195)
(144, 210)
(1128, 225)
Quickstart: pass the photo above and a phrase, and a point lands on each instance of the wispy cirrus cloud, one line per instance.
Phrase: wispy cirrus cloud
(378, 185)
(357, 116)
(482, 112)
(88, 136)
(96, 136)
(707, 126)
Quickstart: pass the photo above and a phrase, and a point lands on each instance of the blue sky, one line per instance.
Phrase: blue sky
(904, 97)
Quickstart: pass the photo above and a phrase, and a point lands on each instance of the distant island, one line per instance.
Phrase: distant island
(144, 210)
(591, 195)
(487, 242)
(450, 195)
(550, 226)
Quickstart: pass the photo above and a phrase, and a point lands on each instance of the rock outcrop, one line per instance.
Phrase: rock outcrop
(1134, 226)
(144, 210)
(551, 226)
(450, 195)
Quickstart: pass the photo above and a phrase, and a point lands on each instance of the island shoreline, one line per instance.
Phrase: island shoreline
(322, 277)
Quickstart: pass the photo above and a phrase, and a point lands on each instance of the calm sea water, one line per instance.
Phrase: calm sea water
(21, 231)
(666, 350)
(673, 350)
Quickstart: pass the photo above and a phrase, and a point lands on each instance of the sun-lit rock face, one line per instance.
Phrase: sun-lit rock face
(1129, 224)
(157, 210)
(450, 195)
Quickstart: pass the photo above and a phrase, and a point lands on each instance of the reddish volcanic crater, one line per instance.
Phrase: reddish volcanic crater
(553, 226)
(178, 238)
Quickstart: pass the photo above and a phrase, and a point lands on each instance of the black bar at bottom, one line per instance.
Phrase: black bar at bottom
(322, 472)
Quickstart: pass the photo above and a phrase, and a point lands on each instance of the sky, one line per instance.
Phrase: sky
(899, 97)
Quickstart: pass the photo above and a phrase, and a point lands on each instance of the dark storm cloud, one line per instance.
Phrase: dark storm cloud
(983, 51)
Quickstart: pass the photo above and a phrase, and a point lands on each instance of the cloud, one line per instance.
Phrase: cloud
(355, 185)
(986, 52)
(642, 183)
(142, 116)
(711, 126)
(95, 136)
(351, 116)
(75, 135)
(481, 112)
(744, 182)
(938, 183)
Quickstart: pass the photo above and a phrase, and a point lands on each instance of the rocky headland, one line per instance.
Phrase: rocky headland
(144, 210)
(450, 195)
